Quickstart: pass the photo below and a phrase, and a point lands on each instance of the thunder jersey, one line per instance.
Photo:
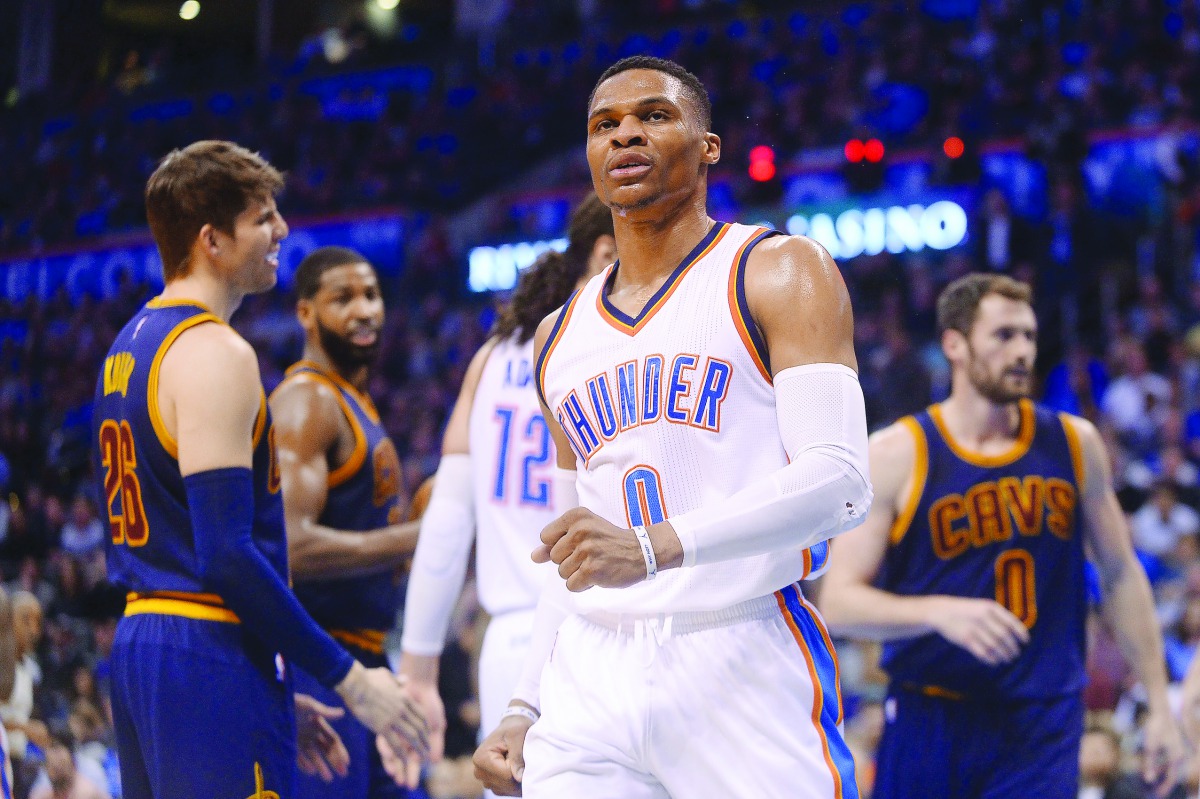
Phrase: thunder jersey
(1002, 527)
(512, 463)
(153, 550)
(670, 411)
(364, 494)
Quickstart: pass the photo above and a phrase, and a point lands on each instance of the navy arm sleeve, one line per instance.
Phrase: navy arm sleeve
(221, 502)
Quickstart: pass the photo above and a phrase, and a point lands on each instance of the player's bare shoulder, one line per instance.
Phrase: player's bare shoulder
(209, 359)
(800, 301)
(308, 404)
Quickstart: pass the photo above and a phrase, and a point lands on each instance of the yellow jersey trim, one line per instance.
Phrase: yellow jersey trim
(164, 302)
(180, 607)
(160, 429)
(1076, 448)
(359, 456)
(917, 489)
(367, 640)
(1015, 452)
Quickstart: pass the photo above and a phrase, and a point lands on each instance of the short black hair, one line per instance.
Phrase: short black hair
(690, 82)
(319, 261)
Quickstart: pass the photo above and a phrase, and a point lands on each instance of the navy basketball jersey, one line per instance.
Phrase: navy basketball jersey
(364, 494)
(1002, 527)
(153, 551)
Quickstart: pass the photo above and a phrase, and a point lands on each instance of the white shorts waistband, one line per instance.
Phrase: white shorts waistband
(689, 621)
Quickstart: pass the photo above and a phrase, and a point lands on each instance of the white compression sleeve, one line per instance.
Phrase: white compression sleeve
(553, 605)
(439, 566)
(824, 490)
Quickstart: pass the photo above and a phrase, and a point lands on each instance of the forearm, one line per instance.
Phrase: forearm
(324, 553)
(864, 611)
(1129, 608)
(554, 605)
(231, 565)
(439, 567)
(823, 490)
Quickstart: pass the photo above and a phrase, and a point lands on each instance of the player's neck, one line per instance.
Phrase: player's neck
(650, 246)
(215, 295)
(978, 423)
(356, 377)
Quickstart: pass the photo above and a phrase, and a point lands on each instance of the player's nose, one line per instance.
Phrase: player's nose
(629, 132)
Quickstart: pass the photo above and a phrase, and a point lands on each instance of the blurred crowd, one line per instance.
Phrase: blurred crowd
(434, 135)
(1115, 294)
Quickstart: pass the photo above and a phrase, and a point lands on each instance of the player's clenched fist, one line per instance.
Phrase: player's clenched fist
(500, 761)
(590, 551)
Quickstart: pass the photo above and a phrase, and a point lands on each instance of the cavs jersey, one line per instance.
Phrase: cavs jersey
(153, 552)
(364, 494)
(1002, 527)
(671, 410)
(512, 462)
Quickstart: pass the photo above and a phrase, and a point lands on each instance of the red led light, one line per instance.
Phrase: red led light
(854, 151)
(873, 151)
(953, 147)
(762, 170)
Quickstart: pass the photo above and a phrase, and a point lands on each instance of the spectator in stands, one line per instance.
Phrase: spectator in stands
(1162, 521)
(1100, 772)
(64, 778)
(17, 711)
(1137, 401)
(83, 534)
(1181, 640)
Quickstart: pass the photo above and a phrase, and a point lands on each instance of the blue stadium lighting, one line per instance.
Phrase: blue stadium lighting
(496, 268)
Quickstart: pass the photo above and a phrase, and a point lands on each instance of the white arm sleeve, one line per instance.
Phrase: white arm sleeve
(553, 605)
(439, 566)
(824, 490)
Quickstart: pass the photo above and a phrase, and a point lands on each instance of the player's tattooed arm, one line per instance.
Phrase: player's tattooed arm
(308, 421)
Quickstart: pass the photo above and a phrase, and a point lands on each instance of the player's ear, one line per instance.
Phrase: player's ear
(712, 148)
(954, 345)
(209, 240)
(306, 314)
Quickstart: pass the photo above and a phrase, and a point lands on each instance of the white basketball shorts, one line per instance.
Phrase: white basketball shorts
(737, 703)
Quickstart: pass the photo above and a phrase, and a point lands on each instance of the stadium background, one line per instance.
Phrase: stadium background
(1057, 142)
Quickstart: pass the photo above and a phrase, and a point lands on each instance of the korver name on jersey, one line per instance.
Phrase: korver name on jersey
(683, 389)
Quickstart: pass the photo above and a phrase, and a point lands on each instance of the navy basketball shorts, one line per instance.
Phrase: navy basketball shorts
(198, 715)
(969, 749)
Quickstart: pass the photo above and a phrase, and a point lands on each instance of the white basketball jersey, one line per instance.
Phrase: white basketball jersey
(671, 411)
(512, 464)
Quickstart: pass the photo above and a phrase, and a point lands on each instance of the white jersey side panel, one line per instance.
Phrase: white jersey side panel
(512, 461)
(669, 412)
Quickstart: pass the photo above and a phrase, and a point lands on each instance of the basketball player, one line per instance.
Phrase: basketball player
(340, 477)
(493, 482)
(202, 698)
(708, 420)
(971, 568)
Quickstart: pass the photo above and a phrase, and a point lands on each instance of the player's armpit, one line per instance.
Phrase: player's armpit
(799, 301)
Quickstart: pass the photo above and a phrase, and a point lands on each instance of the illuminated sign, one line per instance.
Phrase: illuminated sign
(99, 272)
(496, 268)
(897, 229)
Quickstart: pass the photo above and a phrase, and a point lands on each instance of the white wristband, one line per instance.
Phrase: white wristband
(520, 710)
(643, 538)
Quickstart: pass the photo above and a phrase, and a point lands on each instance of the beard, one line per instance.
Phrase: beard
(999, 389)
(347, 357)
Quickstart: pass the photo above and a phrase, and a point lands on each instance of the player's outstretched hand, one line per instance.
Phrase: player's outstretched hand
(379, 700)
(983, 627)
(500, 759)
(590, 551)
(1162, 754)
(319, 749)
